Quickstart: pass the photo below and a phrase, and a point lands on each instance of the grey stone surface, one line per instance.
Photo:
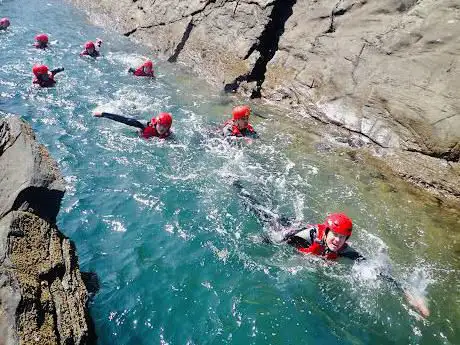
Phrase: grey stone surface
(386, 70)
(43, 299)
(29, 178)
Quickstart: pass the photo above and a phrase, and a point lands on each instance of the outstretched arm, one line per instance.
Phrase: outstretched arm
(284, 228)
(417, 302)
(57, 70)
(122, 119)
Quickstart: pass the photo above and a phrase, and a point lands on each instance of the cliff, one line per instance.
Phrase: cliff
(43, 299)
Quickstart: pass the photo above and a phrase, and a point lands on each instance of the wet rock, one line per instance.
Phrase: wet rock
(323, 147)
(355, 142)
(442, 180)
(43, 299)
(386, 69)
(28, 175)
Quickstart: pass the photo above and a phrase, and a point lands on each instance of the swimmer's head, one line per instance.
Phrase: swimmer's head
(147, 66)
(90, 47)
(40, 70)
(4, 23)
(240, 116)
(338, 229)
(41, 40)
(163, 122)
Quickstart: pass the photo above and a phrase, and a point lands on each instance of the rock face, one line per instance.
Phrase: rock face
(386, 70)
(42, 295)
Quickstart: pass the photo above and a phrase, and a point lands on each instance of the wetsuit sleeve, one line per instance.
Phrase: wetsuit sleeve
(131, 70)
(126, 120)
(389, 279)
(57, 70)
(300, 237)
(351, 254)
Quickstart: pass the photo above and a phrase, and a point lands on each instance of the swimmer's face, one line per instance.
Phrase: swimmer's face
(161, 129)
(147, 69)
(43, 76)
(90, 50)
(242, 123)
(335, 241)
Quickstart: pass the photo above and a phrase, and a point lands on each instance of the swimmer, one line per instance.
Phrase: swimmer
(92, 49)
(43, 77)
(145, 70)
(159, 126)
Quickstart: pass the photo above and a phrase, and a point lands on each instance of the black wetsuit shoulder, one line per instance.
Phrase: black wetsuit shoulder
(303, 238)
(349, 253)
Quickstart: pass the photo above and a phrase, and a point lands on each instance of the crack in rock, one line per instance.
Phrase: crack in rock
(267, 46)
(180, 46)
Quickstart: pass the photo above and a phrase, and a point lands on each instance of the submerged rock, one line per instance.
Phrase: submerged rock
(43, 299)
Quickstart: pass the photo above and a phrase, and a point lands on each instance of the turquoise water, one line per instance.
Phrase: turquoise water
(180, 259)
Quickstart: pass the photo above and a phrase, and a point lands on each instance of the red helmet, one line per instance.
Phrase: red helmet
(39, 70)
(89, 45)
(148, 63)
(5, 22)
(42, 38)
(339, 223)
(240, 112)
(164, 119)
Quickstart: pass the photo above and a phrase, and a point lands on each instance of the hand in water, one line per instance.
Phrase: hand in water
(97, 114)
(98, 42)
(418, 303)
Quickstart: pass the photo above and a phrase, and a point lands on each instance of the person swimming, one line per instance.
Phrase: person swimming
(159, 126)
(41, 41)
(145, 70)
(4, 23)
(92, 49)
(238, 125)
(327, 240)
(43, 77)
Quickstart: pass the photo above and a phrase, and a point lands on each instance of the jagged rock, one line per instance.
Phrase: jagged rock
(383, 69)
(42, 295)
(388, 69)
(28, 175)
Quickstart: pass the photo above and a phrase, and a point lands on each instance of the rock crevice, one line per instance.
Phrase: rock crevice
(265, 46)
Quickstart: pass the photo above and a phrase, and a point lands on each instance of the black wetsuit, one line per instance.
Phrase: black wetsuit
(48, 82)
(126, 120)
(57, 70)
(292, 232)
(297, 235)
